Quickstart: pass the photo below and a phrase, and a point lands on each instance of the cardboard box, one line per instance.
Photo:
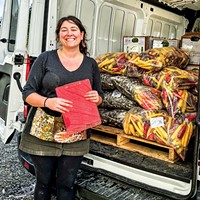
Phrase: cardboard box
(143, 43)
(158, 43)
(192, 67)
(190, 43)
(136, 43)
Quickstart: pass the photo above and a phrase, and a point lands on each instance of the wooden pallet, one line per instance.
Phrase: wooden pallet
(116, 137)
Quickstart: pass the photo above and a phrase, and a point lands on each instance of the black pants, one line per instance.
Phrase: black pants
(64, 168)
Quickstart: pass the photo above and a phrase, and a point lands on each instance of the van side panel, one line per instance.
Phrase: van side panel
(36, 28)
(12, 70)
(108, 21)
(5, 29)
(4, 90)
(88, 19)
(158, 18)
(103, 30)
(50, 22)
(22, 27)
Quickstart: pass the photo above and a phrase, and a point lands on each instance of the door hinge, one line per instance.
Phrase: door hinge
(19, 59)
(17, 125)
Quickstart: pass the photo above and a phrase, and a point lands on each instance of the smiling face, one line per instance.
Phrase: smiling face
(70, 35)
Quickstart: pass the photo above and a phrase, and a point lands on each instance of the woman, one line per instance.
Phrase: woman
(51, 69)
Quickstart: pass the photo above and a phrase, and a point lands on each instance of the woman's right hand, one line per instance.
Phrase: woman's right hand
(58, 104)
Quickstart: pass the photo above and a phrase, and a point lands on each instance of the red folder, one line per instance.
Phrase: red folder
(84, 114)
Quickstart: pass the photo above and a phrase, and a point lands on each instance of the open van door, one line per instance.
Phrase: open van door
(13, 41)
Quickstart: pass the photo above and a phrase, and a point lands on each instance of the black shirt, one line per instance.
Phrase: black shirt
(46, 74)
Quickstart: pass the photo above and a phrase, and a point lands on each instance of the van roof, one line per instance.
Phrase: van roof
(182, 4)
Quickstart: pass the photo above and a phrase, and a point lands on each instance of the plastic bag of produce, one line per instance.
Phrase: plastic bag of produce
(113, 117)
(157, 58)
(158, 126)
(115, 99)
(125, 85)
(135, 71)
(194, 70)
(182, 133)
(171, 78)
(106, 82)
(178, 101)
(114, 63)
(137, 122)
(147, 97)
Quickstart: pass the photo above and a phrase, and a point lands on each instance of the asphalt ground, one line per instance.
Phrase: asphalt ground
(15, 181)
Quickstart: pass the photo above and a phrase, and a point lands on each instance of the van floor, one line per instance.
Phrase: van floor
(180, 170)
(97, 186)
(103, 185)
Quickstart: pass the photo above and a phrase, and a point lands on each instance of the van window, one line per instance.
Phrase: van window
(104, 29)
(13, 24)
(88, 19)
(117, 30)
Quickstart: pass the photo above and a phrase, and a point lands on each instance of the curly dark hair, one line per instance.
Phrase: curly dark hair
(75, 20)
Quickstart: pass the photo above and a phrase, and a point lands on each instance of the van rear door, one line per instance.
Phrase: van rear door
(13, 41)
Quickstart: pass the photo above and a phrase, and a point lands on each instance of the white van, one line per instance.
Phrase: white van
(28, 28)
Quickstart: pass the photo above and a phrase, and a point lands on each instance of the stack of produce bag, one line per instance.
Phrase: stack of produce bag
(117, 101)
(160, 95)
(174, 84)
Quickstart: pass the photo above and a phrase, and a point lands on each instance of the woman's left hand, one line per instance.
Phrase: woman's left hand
(92, 96)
